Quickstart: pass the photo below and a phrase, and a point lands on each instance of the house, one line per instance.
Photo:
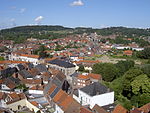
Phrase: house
(41, 68)
(145, 108)
(85, 110)
(24, 74)
(128, 52)
(84, 79)
(64, 103)
(15, 101)
(7, 72)
(8, 85)
(98, 109)
(95, 93)
(120, 109)
(37, 89)
(66, 67)
(31, 82)
(25, 57)
(86, 63)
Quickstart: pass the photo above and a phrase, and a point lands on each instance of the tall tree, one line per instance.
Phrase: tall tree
(107, 70)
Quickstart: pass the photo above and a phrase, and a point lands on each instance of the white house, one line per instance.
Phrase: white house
(25, 57)
(95, 93)
(36, 90)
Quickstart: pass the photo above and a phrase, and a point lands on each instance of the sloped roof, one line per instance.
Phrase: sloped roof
(62, 63)
(15, 80)
(120, 109)
(145, 108)
(34, 71)
(20, 66)
(95, 89)
(95, 76)
(99, 109)
(41, 68)
(58, 96)
(25, 74)
(85, 110)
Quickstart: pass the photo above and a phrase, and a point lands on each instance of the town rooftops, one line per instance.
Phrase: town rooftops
(95, 89)
(61, 63)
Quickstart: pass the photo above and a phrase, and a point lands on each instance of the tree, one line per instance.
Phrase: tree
(145, 54)
(107, 70)
(141, 84)
(128, 77)
(81, 68)
(124, 66)
(116, 85)
(124, 101)
(146, 69)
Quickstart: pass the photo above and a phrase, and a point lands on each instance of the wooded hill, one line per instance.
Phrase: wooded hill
(21, 33)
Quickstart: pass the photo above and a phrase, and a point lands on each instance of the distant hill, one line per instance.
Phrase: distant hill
(20, 34)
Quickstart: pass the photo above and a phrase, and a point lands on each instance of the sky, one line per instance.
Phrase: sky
(75, 13)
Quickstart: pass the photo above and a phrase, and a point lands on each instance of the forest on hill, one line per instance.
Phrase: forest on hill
(21, 33)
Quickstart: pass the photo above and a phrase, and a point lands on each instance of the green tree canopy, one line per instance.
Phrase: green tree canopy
(124, 66)
(145, 54)
(141, 84)
(107, 70)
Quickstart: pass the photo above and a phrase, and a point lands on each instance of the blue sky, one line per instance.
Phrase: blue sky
(75, 13)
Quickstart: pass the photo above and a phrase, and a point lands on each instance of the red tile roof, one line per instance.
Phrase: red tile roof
(65, 104)
(85, 77)
(95, 76)
(52, 89)
(85, 110)
(145, 108)
(120, 109)
(11, 62)
(98, 109)
(59, 95)
(34, 103)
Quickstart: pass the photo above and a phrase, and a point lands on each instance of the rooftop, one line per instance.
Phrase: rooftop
(95, 89)
(62, 63)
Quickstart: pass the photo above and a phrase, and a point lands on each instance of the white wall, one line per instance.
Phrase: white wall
(35, 92)
(86, 99)
(101, 100)
(14, 106)
(23, 58)
(32, 107)
(4, 87)
(76, 98)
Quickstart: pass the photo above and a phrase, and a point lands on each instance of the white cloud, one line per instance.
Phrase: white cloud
(12, 22)
(103, 26)
(77, 3)
(22, 10)
(39, 19)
